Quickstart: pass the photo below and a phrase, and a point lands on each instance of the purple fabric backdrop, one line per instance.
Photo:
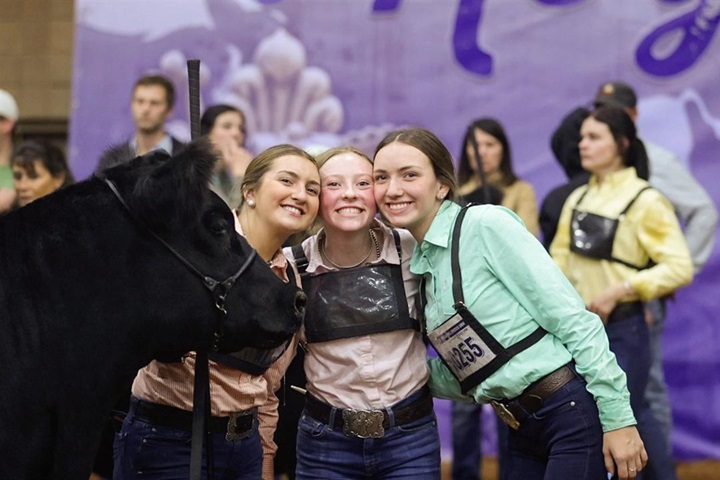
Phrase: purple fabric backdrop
(334, 72)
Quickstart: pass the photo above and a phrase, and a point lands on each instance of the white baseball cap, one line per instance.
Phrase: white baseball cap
(8, 106)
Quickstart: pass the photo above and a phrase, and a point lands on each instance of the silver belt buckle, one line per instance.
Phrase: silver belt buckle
(505, 414)
(363, 423)
(232, 434)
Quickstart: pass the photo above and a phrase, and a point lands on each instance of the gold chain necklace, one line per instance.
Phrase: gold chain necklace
(373, 244)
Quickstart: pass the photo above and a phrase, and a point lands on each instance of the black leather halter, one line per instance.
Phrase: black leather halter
(218, 289)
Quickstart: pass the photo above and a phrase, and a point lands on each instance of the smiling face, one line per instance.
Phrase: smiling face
(599, 153)
(490, 149)
(347, 202)
(35, 182)
(407, 191)
(287, 196)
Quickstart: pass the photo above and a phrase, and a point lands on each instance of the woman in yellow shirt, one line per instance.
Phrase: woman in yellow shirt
(620, 243)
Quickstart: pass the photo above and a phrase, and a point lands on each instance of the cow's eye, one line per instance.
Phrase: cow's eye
(217, 224)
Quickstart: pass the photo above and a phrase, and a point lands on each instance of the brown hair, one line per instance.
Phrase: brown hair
(160, 81)
(433, 148)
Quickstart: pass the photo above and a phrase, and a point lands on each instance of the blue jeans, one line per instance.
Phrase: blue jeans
(629, 341)
(560, 441)
(656, 392)
(151, 452)
(467, 442)
(410, 451)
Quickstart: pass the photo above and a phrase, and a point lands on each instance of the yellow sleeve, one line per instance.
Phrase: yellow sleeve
(659, 233)
(526, 206)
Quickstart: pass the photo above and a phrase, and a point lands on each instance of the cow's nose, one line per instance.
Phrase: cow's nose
(300, 303)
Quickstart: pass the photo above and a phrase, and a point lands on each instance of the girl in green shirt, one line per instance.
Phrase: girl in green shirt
(510, 330)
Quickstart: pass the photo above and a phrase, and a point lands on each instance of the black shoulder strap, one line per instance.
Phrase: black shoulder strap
(398, 244)
(455, 257)
(647, 187)
(587, 187)
(301, 260)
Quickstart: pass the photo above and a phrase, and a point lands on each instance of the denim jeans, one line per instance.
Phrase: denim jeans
(151, 452)
(467, 442)
(656, 391)
(562, 440)
(629, 341)
(410, 451)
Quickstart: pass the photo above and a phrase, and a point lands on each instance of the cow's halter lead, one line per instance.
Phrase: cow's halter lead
(219, 290)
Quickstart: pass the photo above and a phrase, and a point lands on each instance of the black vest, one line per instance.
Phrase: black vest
(593, 235)
(355, 301)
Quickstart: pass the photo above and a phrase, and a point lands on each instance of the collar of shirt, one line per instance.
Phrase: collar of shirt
(164, 144)
(615, 179)
(440, 231)
(388, 252)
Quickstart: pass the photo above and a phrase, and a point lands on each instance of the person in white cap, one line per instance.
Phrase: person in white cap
(8, 121)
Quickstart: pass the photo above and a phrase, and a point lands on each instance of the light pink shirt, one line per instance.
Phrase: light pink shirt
(231, 390)
(369, 371)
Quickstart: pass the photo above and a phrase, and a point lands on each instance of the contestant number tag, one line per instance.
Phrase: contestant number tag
(461, 347)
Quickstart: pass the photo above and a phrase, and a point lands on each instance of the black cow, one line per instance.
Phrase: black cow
(88, 296)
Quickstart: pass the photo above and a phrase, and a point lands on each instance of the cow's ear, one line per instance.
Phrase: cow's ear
(177, 189)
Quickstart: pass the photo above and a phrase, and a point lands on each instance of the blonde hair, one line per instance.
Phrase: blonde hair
(322, 158)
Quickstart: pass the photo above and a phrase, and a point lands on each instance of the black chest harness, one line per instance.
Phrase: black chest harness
(593, 235)
(465, 346)
(355, 301)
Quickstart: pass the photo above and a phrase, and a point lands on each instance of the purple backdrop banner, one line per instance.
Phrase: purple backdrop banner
(334, 72)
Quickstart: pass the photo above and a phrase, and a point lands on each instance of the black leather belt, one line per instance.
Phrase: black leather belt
(236, 426)
(626, 310)
(533, 397)
(369, 423)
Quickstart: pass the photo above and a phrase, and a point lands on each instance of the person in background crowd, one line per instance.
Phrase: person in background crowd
(8, 123)
(620, 243)
(225, 127)
(368, 411)
(487, 138)
(692, 205)
(38, 169)
(564, 144)
(495, 183)
(509, 327)
(152, 102)
(280, 197)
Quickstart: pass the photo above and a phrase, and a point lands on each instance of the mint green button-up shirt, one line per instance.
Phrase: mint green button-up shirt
(512, 286)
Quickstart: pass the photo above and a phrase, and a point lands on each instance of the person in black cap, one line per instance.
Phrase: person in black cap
(692, 205)
(564, 144)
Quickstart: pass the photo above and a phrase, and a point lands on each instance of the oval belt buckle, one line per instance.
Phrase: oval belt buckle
(505, 414)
